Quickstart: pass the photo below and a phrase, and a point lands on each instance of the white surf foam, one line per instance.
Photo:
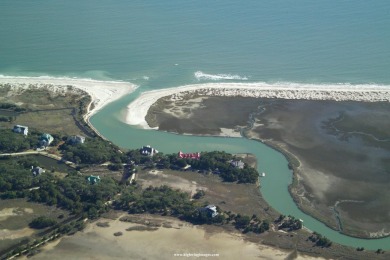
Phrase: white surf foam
(199, 75)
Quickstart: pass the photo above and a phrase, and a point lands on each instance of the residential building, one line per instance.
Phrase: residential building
(37, 170)
(148, 150)
(20, 129)
(238, 164)
(211, 210)
(189, 155)
(76, 139)
(46, 140)
(93, 179)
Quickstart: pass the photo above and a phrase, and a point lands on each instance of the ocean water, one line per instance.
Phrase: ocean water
(158, 44)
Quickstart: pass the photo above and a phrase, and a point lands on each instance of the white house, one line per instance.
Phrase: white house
(76, 139)
(238, 164)
(37, 170)
(148, 150)
(211, 210)
(21, 129)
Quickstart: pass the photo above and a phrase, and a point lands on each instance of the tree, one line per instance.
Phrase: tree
(42, 222)
(379, 251)
(199, 194)
(242, 221)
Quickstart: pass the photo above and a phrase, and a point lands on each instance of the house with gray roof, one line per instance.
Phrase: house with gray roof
(238, 164)
(76, 139)
(211, 210)
(37, 170)
(93, 179)
(46, 140)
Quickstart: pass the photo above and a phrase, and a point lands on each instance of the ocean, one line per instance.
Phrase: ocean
(157, 44)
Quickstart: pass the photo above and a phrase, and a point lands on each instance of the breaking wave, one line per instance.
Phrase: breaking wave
(199, 75)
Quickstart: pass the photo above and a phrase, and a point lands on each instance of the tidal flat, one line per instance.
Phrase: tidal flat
(156, 237)
(339, 150)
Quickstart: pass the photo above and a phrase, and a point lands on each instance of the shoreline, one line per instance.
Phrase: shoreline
(137, 110)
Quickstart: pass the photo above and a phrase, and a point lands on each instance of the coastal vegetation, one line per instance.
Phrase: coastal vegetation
(45, 109)
(320, 240)
(11, 107)
(42, 222)
(166, 201)
(73, 193)
(216, 162)
(93, 151)
(11, 142)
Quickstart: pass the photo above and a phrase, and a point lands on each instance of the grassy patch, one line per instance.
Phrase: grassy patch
(46, 111)
(15, 216)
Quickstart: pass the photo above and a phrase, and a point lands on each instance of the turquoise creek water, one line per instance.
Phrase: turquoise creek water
(158, 44)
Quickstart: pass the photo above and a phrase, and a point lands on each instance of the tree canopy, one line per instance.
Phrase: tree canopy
(93, 151)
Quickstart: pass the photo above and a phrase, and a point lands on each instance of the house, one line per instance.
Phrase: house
(189, 155)
(93, 179)
(147, 150)
(238, 164)
(46, 140)
(211, 210)
(37, 170)
(20, 129)
(76, 139)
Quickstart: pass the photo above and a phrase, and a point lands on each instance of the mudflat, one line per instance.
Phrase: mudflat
(339, 150)
(170, 240)
(201, 115)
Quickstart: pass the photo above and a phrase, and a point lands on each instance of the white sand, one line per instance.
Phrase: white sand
(101, 92)
(137, 110)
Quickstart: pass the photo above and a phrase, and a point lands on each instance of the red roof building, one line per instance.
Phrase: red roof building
(189, 155)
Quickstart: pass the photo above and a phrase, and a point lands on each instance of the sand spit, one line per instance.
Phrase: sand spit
(101, 92)
(137, 110)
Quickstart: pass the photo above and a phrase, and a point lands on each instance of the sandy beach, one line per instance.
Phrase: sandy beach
(137, 110)
(101, 92)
